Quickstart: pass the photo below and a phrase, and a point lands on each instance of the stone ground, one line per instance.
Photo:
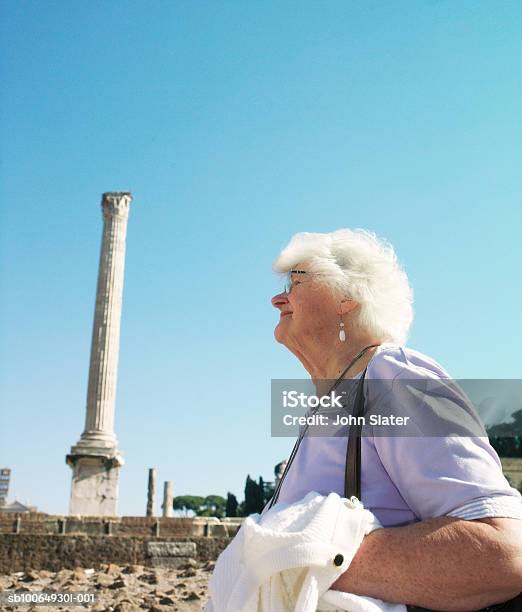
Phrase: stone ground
(119, 588)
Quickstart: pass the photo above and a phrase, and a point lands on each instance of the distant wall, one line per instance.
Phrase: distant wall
(53, 552)
(41, 541)
(165, 527)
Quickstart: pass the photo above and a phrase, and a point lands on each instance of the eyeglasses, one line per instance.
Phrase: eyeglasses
(290, 282)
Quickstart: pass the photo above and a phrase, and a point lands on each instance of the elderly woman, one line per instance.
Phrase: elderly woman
(452, 536)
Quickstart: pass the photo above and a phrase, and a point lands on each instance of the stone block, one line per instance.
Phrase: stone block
(171, 549)
(198, 530)
(218, 530)
(171, 562)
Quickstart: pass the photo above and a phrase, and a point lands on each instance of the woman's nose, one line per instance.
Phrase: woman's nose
(279, 300)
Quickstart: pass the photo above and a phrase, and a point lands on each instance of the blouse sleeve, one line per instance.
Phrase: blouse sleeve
(442, 462)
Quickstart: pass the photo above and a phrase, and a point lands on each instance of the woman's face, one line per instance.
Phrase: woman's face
(308, 313)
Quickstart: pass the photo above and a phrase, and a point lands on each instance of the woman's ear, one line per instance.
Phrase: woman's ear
(347, 305)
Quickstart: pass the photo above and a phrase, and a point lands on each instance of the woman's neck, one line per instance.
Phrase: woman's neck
(327, 369)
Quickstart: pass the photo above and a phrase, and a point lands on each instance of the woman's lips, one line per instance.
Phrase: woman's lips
(283, 314)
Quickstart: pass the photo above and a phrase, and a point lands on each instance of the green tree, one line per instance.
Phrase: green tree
(232, 505)
(211, 505)
(251, 496)
(506, 438)
(268, 492)
(254, 496)
(186, 503)
(260, 494)
(214, 505)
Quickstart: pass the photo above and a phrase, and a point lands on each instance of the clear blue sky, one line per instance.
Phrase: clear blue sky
(235, 125)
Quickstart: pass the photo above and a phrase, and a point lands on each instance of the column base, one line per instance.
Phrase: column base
(95, 439)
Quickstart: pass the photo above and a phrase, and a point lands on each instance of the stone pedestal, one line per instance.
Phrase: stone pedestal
(95, 459)
(94, 489)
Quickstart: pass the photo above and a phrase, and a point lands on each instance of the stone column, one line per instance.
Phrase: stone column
(167, 498)
(151, 492)
(95, 459)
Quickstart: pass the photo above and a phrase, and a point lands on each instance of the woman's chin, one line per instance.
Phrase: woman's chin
(279, 333)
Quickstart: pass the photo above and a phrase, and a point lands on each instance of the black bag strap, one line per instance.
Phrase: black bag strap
(352, 475)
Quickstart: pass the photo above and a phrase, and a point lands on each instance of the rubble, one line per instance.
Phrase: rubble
(127, 588)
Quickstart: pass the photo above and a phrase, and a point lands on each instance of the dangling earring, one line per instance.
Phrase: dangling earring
(342, 333)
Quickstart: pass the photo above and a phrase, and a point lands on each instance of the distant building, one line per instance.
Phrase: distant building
(5, 476)
(17, 506)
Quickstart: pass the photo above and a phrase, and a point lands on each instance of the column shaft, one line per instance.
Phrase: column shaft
(101, 393)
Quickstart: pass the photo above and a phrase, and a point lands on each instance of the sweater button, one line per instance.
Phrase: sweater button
(338, 560)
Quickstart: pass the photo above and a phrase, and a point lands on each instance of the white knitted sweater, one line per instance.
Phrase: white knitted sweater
(286, 559)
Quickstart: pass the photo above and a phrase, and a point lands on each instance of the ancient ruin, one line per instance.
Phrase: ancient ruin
(96, 459)
(168, 499)
(151, 493)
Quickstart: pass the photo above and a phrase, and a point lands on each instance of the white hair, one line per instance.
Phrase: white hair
(357, 264)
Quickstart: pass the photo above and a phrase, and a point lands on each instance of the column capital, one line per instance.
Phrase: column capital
(116, 204)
